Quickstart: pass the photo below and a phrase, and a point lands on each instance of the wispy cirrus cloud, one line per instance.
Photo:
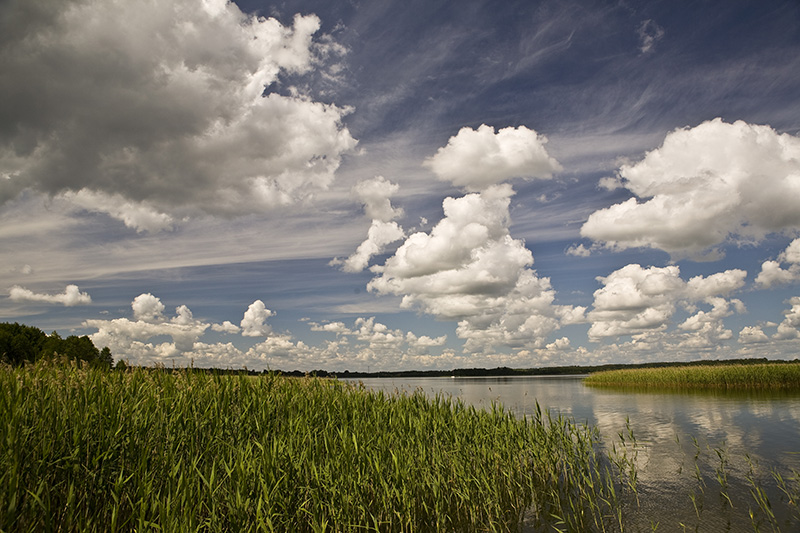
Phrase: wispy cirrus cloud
(649, 34)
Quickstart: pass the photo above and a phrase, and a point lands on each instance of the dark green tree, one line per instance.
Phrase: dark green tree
(80, 349)
(19, 343)
(106, 360)
(51, 347)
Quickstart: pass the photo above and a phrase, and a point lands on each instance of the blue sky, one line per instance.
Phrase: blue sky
(394, 185)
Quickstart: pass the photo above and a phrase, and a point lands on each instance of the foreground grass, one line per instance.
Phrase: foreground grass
(86, 450)
(759, 376)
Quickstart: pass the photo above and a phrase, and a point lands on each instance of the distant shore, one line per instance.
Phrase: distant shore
(544, 371)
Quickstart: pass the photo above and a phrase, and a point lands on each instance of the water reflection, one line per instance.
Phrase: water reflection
(697, 452)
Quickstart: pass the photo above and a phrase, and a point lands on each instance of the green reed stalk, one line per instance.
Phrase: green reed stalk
(147, 450)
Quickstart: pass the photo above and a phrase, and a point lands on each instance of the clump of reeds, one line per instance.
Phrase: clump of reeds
(768, 499)
(755, 377)
(145, 450)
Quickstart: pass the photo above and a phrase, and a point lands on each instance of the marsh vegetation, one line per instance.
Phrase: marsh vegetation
(92, 450)
(86, 449)
(770, 376)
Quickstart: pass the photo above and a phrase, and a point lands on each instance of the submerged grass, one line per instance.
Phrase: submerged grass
(782, 376)
(87, 450)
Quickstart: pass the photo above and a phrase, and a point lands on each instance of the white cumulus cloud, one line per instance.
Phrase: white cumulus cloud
(254, 322)
(135, 215)
(789, 328)
(773, 274)
(477, 159)
(424, 341)
(148, 308)
(71, 296)
(130, 339)
(372, 338)
(559, 344)
(470, 269)
(706, 329)
(578, 250)
(169, 119)
(376, 195)
(752, 335)
(703, 186)
(330, 327)
(380, 235)
(636, 300)
(152, 337)
(226, 327)
(137, 340)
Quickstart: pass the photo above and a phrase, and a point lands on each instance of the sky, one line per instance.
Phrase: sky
(386, 185)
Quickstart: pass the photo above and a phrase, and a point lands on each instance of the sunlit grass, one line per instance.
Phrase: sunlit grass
(87, 450)
(151, 450)
(756, 376)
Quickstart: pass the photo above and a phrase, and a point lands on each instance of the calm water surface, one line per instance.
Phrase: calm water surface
(685, 442)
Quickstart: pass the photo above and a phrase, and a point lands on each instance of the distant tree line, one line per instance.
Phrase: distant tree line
(20, 344)
(545, 371)
(502, 371)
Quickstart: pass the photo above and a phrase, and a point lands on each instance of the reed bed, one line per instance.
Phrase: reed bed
(149, 450)
(753, 377)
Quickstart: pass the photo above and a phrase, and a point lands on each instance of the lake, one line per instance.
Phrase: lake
(687, 444)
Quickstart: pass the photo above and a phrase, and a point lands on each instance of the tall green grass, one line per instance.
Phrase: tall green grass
(87, 450)
(758, 376)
